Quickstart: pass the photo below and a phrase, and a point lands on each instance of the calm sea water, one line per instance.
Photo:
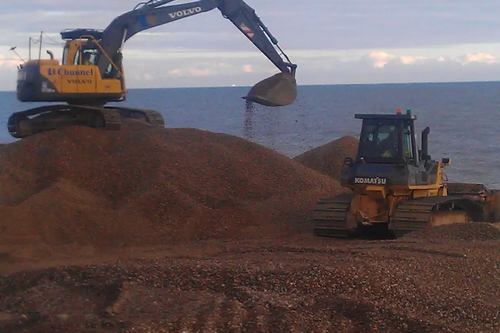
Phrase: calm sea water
(463, 117)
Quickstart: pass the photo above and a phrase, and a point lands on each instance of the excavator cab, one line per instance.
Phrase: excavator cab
(397, 187)
(77, 79)
(81, 48)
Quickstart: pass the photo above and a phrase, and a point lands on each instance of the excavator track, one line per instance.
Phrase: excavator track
(422, 213)
(330, 216)
(150, 116)
(46, 118)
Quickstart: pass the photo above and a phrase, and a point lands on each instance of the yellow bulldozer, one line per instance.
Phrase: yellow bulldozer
(396, 187)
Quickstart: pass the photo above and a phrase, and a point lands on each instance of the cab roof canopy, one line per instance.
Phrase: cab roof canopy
(375, 116)
(78, 33)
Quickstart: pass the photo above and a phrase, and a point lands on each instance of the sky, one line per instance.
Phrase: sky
(331, 41)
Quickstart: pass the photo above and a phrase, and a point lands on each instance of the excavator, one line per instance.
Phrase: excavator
(393, 187)
(91, 74)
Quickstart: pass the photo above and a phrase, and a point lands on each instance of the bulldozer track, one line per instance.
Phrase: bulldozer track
(46, 118)
(330, 216)
(417, 214)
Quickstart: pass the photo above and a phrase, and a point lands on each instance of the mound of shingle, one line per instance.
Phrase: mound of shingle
(145, 185)
(460, 232)
(329, 158)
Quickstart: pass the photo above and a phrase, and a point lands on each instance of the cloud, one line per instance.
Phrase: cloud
(195, 68)
(408, 60)
(9, 62)
(176, 72)
(342, 41)
(380, 58)
(201, 72)
(481, 57)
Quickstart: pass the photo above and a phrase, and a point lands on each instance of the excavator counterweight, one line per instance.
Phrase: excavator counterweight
(91, 74)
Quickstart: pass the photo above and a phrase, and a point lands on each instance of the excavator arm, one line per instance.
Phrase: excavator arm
(274, 91)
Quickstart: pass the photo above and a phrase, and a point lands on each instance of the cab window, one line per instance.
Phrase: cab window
(379, 141)
(76, 61)
(89, 57)
(407, 142)
(65, 56)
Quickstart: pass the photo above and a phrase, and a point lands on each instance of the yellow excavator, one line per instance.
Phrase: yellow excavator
(91, 74)
(395, 186)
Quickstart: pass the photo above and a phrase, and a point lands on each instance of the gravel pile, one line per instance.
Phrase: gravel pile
(329, 158)
(384, 286)
(459, 232)
(217, 201)
(144, 186)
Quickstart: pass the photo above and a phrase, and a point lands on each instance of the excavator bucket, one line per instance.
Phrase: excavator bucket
(277, 90)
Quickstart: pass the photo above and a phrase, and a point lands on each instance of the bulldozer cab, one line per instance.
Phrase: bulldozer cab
(388, 154)
(387, 139)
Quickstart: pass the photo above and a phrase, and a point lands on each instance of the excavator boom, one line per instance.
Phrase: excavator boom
(155, 13)
(278, 90)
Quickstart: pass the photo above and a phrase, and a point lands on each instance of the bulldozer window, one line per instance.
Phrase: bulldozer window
(407, 142)
(379, 142)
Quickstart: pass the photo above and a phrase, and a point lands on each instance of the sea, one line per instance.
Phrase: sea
(464, 118)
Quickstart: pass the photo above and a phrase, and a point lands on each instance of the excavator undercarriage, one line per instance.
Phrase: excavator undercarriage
(396, 194)
(50, 117)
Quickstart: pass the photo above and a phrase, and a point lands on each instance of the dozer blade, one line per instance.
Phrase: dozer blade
(489, 199)
(421, 213)
(277, 90)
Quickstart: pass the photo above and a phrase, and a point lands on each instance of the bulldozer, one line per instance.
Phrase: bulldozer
(394, 187)
(91, 73)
